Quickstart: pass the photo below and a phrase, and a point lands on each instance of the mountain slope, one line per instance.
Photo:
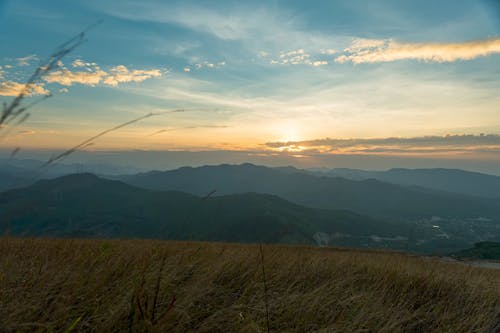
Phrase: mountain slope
(89, 206)
(451, 180)
(481, 251)
(371, 197)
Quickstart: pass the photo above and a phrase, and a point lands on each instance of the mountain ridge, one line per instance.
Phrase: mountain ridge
(443, 179)
(366, 196)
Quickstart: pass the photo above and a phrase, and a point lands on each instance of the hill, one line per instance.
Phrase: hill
(482, 250)
(370, 197)
(157, 286)
(450, 180)
(83, 205)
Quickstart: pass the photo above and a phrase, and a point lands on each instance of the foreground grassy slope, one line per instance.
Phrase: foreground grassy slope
(96, 285)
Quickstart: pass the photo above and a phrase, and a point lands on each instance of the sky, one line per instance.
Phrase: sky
(293, 82)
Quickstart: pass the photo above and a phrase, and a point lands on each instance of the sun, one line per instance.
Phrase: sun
(289, 132)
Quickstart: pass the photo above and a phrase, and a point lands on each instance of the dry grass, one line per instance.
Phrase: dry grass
(141, 286)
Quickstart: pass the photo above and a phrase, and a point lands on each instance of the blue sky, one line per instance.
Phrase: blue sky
(270, 76)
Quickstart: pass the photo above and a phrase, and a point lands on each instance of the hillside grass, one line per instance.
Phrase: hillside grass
(63, 285)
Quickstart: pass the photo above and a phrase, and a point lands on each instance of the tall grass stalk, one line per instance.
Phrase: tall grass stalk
(266, 302)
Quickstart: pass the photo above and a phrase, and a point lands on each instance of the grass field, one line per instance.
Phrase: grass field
(55, 285)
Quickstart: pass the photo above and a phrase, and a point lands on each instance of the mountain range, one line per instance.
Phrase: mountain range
(84, 205)
(249, 203)
(370, 196)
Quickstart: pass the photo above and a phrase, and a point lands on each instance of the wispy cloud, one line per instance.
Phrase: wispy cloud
(239, 25)
(372, 51)
(296, 57)
(26, 132)
(447, 144)
(258, 27)
(204, 64)
(185, 128)
(26, 61)
(327, 51)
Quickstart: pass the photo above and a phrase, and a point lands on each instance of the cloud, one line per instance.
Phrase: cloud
(294, 57)
(26, 132)
(327, 51)
(80, 63)
(239, 25)
(256, 27)
(372, 51)
(26, 61)
(206, 64)
(121, 74)
(319, 63)
(89, 74)
(66, 77)
(263, 54)
(293, 53)
(297, 57)
(465, 143)
(93, 75)
(12, 88)
(359, 44)
(185, 128)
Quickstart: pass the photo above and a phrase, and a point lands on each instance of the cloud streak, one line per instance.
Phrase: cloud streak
(256, 27)
(448, 144)
(185, 128)
(373, 51)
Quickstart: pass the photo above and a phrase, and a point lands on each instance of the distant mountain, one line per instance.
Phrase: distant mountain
(451, 180)
(17, 173)
(84, 205)
(14, 175)
(371, 197)
(34, 166)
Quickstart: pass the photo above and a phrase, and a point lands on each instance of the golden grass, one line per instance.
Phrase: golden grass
(49, 285)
